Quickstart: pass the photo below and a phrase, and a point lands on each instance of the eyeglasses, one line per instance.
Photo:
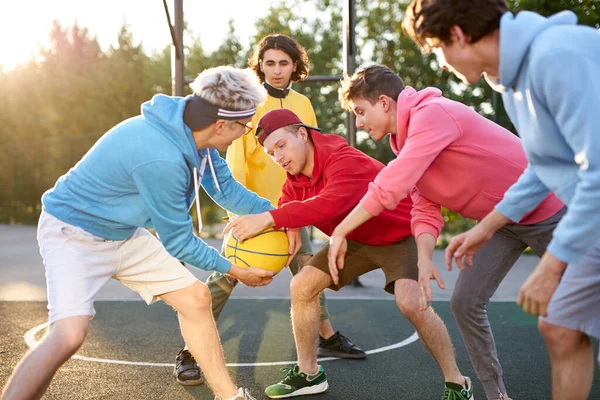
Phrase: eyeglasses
(248, 127)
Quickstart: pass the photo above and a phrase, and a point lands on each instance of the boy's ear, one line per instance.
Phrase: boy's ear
(219, 125)
(303, 132)
(385, 102)
(458, 36)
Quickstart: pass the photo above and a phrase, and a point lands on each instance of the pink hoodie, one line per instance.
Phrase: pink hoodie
(449, 155)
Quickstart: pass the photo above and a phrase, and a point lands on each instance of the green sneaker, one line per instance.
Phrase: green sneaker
(297, 383)
(454, 391)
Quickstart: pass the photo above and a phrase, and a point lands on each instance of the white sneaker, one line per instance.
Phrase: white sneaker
(242, 394)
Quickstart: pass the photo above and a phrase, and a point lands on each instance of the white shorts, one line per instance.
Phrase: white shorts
(575, 303)
(79, 263)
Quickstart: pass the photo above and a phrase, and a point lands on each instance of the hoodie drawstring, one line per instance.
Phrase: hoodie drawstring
(197, 185)
(212, 171)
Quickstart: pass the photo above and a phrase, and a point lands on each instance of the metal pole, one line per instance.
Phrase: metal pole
(350, 60)
(177, 58)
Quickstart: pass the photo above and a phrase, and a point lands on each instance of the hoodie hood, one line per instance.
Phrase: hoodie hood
(165, 113)
(516, 37)
(409, 100)
(324, 149)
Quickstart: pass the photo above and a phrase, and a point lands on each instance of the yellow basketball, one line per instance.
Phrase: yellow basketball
(267, 250)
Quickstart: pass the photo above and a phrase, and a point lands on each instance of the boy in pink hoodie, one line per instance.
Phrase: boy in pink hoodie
(447, 155)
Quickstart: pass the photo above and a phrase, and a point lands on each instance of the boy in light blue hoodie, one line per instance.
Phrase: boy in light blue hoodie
(146, 172)
(548, 71)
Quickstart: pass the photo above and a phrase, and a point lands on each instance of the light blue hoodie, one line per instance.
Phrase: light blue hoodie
(140, 174)
(550, 84)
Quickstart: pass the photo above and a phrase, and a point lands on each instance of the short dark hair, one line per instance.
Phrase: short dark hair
(434, 18)
(369, 83)
(286, 44)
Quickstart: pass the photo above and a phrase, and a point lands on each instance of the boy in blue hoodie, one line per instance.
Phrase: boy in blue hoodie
(146, 172)
(547, 70)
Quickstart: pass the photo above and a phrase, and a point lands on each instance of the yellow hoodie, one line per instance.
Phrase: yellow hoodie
(246, 158)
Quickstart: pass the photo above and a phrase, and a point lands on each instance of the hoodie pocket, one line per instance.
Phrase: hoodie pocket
(481, 205)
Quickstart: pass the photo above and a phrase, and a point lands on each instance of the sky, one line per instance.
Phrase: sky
(26, 23)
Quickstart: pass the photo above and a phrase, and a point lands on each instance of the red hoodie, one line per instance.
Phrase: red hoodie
(340, 178)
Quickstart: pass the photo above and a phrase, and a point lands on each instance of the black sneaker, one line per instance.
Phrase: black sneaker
(339, 346)
(187, 372)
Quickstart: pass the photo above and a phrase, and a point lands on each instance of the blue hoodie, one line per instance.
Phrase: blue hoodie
(140, 174)
(550, 84)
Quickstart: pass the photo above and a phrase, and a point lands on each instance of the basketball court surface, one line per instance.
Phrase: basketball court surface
(129, 353)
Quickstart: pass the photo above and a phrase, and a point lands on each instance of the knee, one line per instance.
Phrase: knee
(406, 294)
(197, 301)
(68, 335)
(408, 305)
(304, 286)
(561, 340)
(463, 302)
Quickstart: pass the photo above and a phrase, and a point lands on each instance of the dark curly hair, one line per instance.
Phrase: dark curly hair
(434, 18)
(286, 44)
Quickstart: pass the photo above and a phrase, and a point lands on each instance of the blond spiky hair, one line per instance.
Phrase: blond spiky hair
(230, 88)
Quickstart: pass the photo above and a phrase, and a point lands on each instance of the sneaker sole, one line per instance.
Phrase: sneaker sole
(190, 382)
(337, 354)
(320, 388)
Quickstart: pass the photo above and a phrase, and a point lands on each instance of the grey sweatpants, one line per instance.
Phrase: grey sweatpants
(477, 284)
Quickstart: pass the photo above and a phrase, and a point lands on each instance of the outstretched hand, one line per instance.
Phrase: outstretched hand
(335, 256)
(246, 226)
(252, 276)
(464, 246)
(537, 290)
(428, 271)
(295, 241)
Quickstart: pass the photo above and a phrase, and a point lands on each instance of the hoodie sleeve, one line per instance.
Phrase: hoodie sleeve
(430, 131)
(426, 216)
(343, 189)
(233, 196)
(163, 185)
(573, 99)
(523, 196)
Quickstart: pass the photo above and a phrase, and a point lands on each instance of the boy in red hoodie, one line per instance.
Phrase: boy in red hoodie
(447, 155)
(325, 179)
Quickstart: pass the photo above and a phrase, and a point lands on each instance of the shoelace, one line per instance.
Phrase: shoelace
(289, 372)
(345, 341)
(247, 395)
(242, 394)
(451, 394)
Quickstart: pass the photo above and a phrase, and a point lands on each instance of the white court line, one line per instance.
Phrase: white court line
(31, 342)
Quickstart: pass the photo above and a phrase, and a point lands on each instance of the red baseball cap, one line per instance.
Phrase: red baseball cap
(276, 119)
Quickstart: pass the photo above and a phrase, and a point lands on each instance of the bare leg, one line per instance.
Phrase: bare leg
(572, 359)
(199, 331)
(325, 328)
(34, 373)
(430, 327)
(304, 290)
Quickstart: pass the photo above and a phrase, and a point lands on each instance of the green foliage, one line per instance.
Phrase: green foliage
(588, 11)
(55, 107)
